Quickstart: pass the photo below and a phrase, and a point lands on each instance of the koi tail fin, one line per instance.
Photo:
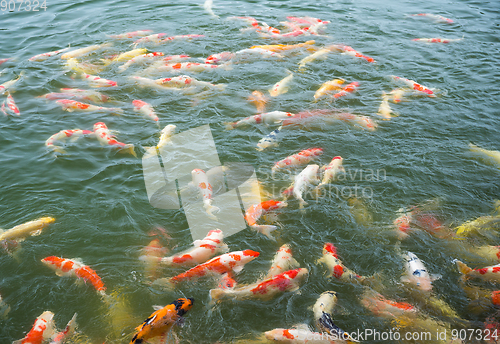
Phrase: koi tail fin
(210, 209)
(230, 125)
(128, 149)
(265, 229)
(216, 295)
(462, 268)
(302, 204)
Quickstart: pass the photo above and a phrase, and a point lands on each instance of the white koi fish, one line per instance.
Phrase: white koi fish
(146, 82)
(84, 51)
(145, 109)
(301, 158)
(60, 337)
(330, 171)
(224, 56)
(417, 274)
(80, 67)
(7, 85)
(302, 182)
(264, 290)
(42, 329)
(44, 56)
(320, 54)
(269, 140)
(165, 136)
(249, 54)
(434, 17)
(105, 137)
(301, 335)
(73, 105)
(437, 40)
(183, 81)
(282, 261)
(202, 251)
(127, 56)
(327, 87)
(272, 117)
(281, 86)
(132, 34)
(141, 59)
(200, 180)
(9, 106)
(207, 5)
(32, 228)
(335, 266)
(384, 110)
(95, 81)
(413, 85)
(186, 66)
(73, 134)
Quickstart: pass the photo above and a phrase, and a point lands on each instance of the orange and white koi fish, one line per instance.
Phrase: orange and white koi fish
(42, 330)
(151, 256)
(141, 59)
(301, 158)
(105, 137)
(183, 81)
(330, 171)
(232, 261)
(273, 117)
(279, 48)
(350, 88)
(489, 273)
(175, 58)
(327, 87)
(61, 136)
(154, 38)
(202, 251)
(145, 109)
(270, 32)
(9, 106)
(132, 34)
(75, 268)
(254, 212)
(434, 17)
(264, 290)
(306, 21)
(61, 337)
(281, 86)
(300, 335)
(186, 66)
(413, 85)
(347, 50)
(437, 40)
(397, 94)
(224, 56)
(75, 93)
(320, 54)
(200, 180)
(172, 38)
(227, 281)
(146, 82)
(162, 320)
(383, 307)
(416, 273)
(268, 141)
(384, 110)
(259, 100)
(282, 261)
(335, 266)
(84, 51)
(21, 232)
(73, 105)
(302, 182)
(95, 81)
(7, 85)
(364, 122)
(44, 56)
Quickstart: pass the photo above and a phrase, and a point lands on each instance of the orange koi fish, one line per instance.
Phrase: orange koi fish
(350, 51)
(151, 256)
(383, 307)
(350, 88)
(73, 105)
(61, 136)
(105, 137)
(259, 100)
(42, 329)
(303, 157)
(145, 109)
(254, 213)
(328, 86)
(162, 320)
(75, 268)
(335, 266)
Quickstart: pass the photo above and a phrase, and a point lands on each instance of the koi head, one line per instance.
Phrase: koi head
(250, 254)
(183, 305)
(100, 125)
(330, 249)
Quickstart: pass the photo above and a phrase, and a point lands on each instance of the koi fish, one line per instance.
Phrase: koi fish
(347, 50)
(145, 109)
(383, 307)
(350, 88)
(201, 181)
(397, 95)
(279, 48)
(330, 171)
(302, 182)
(44, 56)
(273, 117)
(84, 51)
(202, 251)
(320, 54)
(437, 40)
(175, 58)
(270, 140)
(300, 335)
(60, 337)
(434, 17)
(141, 59)
(384, 110)
(74, 134)
(207, 5)
(2, 61)
(75, 268)
(132, 34)
(76, 94)
(245, 55)
(335, 266)
(73, 105)
(95, 81)
(254, 212)
(183, 81)
(172, 38)
(489, 156)
(185, 66)
(79, 67)
(322, 309)
(154, 38)
(146, 82)
(151, 256)
(281, 86)
(360, 212)
(282, 261)
(232, 261)
(21, 232)
(417, 274)
(301, 158)
(9, 106)
(227, 281)
(364, 122)
(162, 320)
(307, 21)
(224, 56)
(105, 137)
(4, 309)
(484, 222)
(127, 56)
(7, 85)
(413, 85)
(489, 273)
(166, 135)
(265, 290)
(42, 329)
(259, 100)
(270, 33)
(482, 300)
(327, 87)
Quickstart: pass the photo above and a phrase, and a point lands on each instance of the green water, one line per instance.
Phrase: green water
(99, 200)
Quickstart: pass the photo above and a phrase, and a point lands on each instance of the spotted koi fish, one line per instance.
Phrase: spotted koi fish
(350, 88)
(282, 261)
(327, 87)
(437, 40)
(42, 329)
(141, 59)
(254, 212)
(105, 137)
(60, 337)
(413, 85)
(73, 105)
(44, 56)
(9, 106)
(335, 266)
(268, 141)
(489, 273)
(73, 134)
(145, 109)
(7, 85)
(281, 86)
(77, 94)
(434, 17)
(347, 50)
(273, 117)
(132, 34)
(303, 157)
(95, 81)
